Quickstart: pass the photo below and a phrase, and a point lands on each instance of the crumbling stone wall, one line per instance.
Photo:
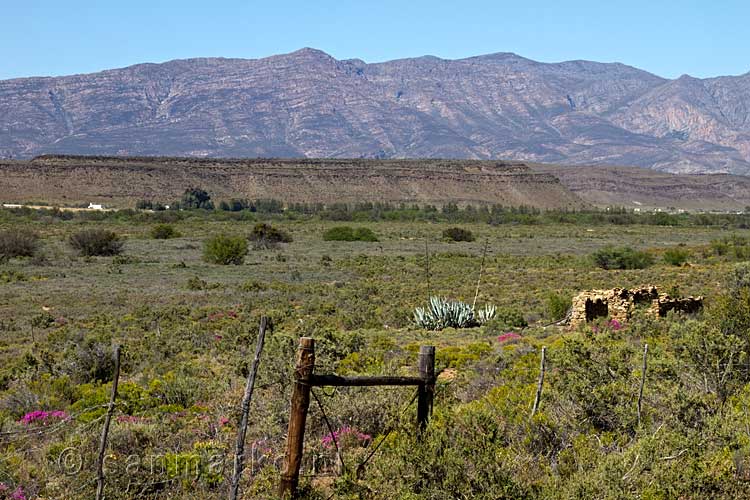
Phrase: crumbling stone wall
(619, 304)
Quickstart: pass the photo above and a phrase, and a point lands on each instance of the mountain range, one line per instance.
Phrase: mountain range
(309, 104)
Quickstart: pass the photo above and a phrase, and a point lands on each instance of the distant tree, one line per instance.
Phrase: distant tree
(194, 198)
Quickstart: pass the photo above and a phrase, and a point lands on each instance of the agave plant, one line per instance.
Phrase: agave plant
(486, 313)
(443, 313)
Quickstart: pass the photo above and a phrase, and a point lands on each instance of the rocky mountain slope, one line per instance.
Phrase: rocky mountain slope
(308, 104)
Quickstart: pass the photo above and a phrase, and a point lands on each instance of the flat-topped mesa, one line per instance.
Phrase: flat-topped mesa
(123, 181)
(619, 304)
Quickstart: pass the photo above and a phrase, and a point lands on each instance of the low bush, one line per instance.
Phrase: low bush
(557, 305)
(96, 242)
(739, 278)
(611, 257)
(18, 244)
(11, 276)
(733, 247)
(510, 318)
(347, 233)
(267, 236)
(676, 256)
(163, 232)
(224, 249)
(458, 234)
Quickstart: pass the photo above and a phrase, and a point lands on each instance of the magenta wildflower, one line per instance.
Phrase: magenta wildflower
(218, 337)
(223, 421)
(615, 325)
(3, 487)
(505, 337)
(329, 439)
(43, 417)
(18, 494)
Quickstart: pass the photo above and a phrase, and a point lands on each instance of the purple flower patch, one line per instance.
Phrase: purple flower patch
(329, 439)
(615, 325)
(43, 417)
(506, 337)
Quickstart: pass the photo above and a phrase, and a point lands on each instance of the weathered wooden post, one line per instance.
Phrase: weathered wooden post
(540, 382)
(303, 372)
(643, 381)
(246, 400)
(427, 387)
(105, 429)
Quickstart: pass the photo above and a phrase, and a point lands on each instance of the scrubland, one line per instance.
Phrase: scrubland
(188, 327)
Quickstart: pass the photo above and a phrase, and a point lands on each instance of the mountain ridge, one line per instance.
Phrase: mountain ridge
(308, 104)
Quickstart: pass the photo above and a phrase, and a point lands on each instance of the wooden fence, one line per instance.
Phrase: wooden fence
(305, 379)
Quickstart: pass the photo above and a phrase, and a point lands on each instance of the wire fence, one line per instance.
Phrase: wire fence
(83, 425)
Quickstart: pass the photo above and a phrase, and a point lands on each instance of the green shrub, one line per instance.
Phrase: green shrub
(739, 279)
(557, 305)
(224, 249)
(11, 276)
(676, 256)
(197, 284)
(253, 286)
(511, 318)
(736, 247)
(20, 243)
(93, 242)
(611, 257)
(347, 233)
(268, 236)
(458, 234)
(163, 232)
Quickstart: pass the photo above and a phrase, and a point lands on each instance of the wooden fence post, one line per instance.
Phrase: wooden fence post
(105, 430)
(540, 383)
(246, 399)
(300, 402)
(643, 382)
(427, 387)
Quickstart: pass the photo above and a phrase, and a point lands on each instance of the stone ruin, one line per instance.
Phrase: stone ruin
(620, 303)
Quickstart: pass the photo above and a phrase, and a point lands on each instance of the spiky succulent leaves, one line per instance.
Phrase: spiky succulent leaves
(443, 313)
(486, 313)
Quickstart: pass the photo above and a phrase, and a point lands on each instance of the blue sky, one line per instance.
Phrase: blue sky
(669, 38)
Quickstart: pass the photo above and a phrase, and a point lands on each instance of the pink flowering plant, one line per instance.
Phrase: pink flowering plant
(344, 435)
(611, 325)
(508, 337)
(615, 325)
(43, 417)
(16, 494)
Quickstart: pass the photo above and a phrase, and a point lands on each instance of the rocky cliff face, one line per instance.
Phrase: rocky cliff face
(310, 104)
